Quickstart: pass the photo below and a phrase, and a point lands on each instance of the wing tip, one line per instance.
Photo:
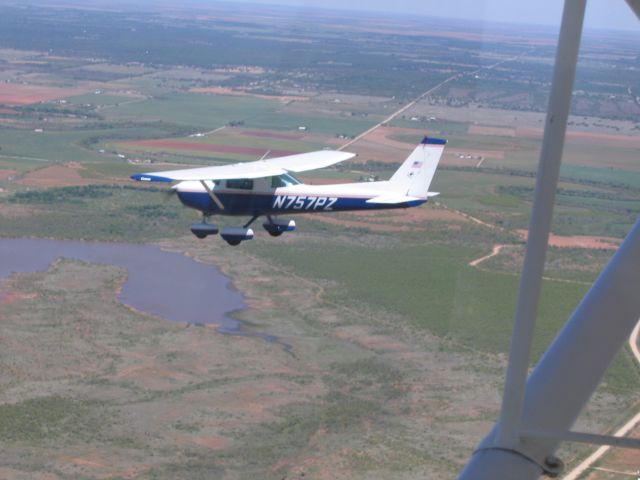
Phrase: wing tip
(145, 177)
(433, 141)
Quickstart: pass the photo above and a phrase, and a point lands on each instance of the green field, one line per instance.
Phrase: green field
(128, 213)
(68, 146)
(331, 125)
(101, 99)
(224, 137)
(212, 111)
(432, 286)
(21, 164)
(195, 110)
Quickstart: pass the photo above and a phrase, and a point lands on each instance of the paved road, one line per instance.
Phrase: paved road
(428, 92)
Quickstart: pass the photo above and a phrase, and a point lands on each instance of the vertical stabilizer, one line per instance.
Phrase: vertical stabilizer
(416, 173)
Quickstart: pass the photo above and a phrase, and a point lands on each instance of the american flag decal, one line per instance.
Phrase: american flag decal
(416, 164)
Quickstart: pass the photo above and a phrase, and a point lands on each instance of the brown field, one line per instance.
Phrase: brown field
(13, 296)
(379, 146)
(4, 174)
(12, 94)
(55, 176)
(580, 241)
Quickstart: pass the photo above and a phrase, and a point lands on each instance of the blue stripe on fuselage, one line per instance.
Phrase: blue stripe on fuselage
(266, 204)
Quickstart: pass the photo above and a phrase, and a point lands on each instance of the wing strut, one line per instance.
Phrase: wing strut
(536, 414)
(213, 196)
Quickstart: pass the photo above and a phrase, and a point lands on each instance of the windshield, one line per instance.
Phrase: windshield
(284, 180)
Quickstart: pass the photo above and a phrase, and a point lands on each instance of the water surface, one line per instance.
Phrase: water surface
(165, 284)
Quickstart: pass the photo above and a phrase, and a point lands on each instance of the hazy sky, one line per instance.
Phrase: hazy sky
(609, 14)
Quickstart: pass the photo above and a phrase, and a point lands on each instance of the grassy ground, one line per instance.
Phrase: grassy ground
(380, 384)
(67, 146)
(433, 287)
(200, 111)
(398, 344)
(111, 401)
(93, 213)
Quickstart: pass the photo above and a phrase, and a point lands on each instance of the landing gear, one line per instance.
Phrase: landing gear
(273, 230)
(203, 229)
(235, 235)
(277, 226)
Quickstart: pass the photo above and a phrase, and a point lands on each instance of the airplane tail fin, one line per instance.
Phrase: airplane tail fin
(415, 174)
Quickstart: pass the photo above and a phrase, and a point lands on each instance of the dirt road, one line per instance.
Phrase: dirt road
(496, 250)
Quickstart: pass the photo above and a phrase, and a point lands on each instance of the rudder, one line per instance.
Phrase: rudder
(416, 173)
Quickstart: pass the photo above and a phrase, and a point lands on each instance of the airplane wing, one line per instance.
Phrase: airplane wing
(259, 169)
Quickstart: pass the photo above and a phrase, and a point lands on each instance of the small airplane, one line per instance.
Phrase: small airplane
(268, 188)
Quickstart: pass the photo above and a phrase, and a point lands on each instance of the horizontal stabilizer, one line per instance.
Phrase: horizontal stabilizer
(393, 199)
(259, 169)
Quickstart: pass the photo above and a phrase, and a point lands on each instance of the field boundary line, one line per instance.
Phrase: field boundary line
(19, 157)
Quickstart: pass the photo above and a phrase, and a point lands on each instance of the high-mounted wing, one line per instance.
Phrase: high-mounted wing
(259, 169)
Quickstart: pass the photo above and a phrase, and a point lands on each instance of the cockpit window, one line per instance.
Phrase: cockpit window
(284, 180)
(241, 183)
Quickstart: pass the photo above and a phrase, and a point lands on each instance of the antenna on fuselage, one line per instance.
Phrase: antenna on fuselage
(265, 155)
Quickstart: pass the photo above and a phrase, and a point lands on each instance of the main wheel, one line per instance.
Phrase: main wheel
(234, 242)
(275, 233)
(203, 230)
